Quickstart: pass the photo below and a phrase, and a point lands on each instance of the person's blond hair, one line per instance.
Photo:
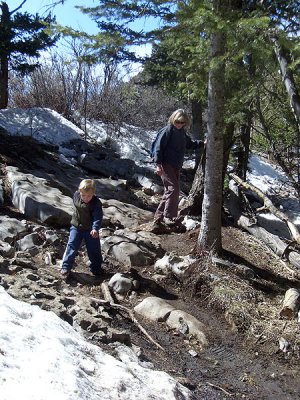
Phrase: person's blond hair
(87, 185)
(179, 115)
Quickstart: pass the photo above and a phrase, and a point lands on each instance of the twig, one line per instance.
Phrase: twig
(109, 302)
(219, 387)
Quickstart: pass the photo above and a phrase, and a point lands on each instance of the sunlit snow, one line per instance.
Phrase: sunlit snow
(44, 358)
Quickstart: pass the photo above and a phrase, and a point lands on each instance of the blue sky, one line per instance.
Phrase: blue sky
(66, 14)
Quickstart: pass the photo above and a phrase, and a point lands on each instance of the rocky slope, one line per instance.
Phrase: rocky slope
(222, 340)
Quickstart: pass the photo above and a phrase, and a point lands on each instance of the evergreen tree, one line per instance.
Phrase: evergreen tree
(23, 37)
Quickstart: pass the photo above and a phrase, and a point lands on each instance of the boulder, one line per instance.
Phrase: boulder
(178, 318)
(127, 252)
(124, 214)
(178, 265)
(11, 229)
(6, 250)
(147, 241)
(120, 284)
(37, 200)
(153, 184)
(29, 241)
(110, 167)
(154, 309)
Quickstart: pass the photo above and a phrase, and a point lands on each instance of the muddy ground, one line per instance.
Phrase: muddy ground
(240, 312)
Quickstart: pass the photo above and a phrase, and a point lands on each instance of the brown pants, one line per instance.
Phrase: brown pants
(168, 206)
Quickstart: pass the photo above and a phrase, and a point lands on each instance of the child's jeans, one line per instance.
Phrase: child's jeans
(92, 246)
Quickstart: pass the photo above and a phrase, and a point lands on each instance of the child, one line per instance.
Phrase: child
(85, 224)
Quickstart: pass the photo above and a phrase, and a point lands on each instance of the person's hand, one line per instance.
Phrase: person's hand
(159, 170)
(94, 234)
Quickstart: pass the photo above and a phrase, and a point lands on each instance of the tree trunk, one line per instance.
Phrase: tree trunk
(228, 143)
(195, 198)
(243, 155)
(210, 231)
(197, 129)
(288, 79)
(5, 35)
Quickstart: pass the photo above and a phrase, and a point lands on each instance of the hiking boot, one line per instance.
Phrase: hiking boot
(97, 273)
(169, 221)
(179, 219)
(158, 227)
(65, 273)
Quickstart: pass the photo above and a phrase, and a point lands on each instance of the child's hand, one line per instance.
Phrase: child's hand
(94, 233)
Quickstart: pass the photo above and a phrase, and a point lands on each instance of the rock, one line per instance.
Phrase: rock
(190, 223)
(193, 353)
(4, 263)
(6, 250)
(118, 336)
(154, 308)
(120, 284)
(151, 185)
(178, 265)
(28, 242)
(51, 237)
(109, 167)
(126, 251)
(195, 327)
(11, 228)
(37, 200)
(162, 266)
(145, 240)
(123, 214)
(283, 344)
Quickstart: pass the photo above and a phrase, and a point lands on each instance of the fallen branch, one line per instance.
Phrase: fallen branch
(272, 241)
(236, 268)
(291, 304)
(219, 388)
(109, 302)
(268, 205)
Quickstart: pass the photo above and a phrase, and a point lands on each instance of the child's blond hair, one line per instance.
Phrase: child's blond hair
(87, 185)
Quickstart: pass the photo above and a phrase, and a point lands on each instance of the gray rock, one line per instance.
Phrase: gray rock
(152, 185)
(126, 251)
(4, 263)
(110, 167)
(120, 284)
(124, 214)
(37, 200)
(154, 308)
(179, 265)
(51, 237)
(178, 319)
(6, 250)
(10, 229)
(28, 242)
